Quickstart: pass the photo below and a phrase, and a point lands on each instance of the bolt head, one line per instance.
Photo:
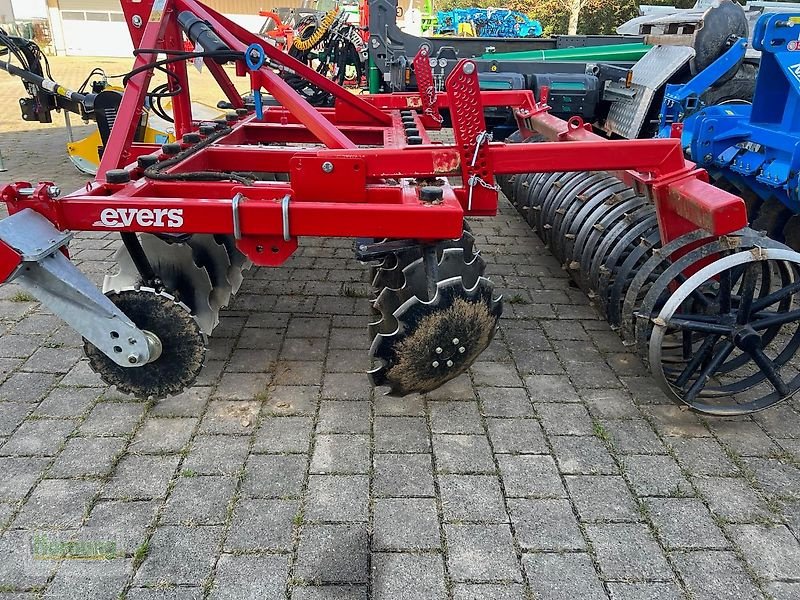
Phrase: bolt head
(137, 21)
(54, 191)
(327, 167)
(449, 363)
(469, 68)
(435, 364)
(439, 350)
(461, 350)
(133, 359)
(455, 341)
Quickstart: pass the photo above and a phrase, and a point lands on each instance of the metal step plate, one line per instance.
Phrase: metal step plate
(626, 118)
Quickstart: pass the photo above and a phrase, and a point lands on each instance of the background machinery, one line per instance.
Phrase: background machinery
(95, 100)
(707, 301)
(750, 147)
(661, 296)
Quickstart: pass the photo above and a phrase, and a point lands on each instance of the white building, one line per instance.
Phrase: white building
(97, 27)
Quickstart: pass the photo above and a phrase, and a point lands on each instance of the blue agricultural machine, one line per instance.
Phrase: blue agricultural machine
(487, 22)
(752, 148)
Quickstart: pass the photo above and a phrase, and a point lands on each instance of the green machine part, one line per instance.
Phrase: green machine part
(610, 53)
(374, 77)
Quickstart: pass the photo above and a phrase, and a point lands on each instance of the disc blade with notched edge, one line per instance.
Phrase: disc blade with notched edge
(175, 266)
(127, 276)
(239, 262)
(213, 257)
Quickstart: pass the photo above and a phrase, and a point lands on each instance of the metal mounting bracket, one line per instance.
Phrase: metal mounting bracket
(49, 275)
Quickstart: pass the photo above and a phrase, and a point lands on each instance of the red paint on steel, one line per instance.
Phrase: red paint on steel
(10, 260)
(343, 190)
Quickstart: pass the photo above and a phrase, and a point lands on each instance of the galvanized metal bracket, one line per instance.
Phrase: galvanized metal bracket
(50, 276)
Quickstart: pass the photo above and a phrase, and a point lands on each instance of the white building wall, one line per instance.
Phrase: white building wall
(6, 12)
(26, 10)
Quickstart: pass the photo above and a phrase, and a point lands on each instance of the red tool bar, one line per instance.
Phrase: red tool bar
(389, 211)
(657, 156)
(684, 199)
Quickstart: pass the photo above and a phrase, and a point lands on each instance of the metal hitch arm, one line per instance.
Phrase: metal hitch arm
(50, 276)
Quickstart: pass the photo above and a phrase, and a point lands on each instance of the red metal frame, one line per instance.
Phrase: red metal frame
(351, 170)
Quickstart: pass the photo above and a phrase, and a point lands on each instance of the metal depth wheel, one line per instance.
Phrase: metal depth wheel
(759, 326)
(182, 346)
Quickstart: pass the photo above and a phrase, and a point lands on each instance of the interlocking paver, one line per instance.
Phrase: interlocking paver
(396, 576)
(493, 543)
(179, 555)
(602, 498)
(563, 576)
(713, 575)
(112, 418)
(732, 499)
(582, 455)
(772, 551)
(655, 475)
(199, 500)
(264, 525)
(462, 454)
(530, 475)
(516, 436)
(141, 477)
(403, 475)
(455, 417)
(283, 435)
(505, 402)
(125, 523)
(652, 590)
(57, 504)
(628, 551)
(489, 591)
(38, 438)
(472, 498)
(405, 524)
(685, 523)
(19, 568)
(274, 475)
(343, 454)
(337, 498)
(283, 472)
(344, 417)
(545, 525)
(333, 554)
(401, 434)
(250, 578)
(79, 579)
(330, 592)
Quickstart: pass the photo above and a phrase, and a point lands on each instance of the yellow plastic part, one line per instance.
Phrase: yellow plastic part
(85, 154)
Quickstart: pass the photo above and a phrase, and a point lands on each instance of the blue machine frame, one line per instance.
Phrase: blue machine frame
(754, 146)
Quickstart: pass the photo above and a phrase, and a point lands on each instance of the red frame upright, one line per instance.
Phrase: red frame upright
(352, 169)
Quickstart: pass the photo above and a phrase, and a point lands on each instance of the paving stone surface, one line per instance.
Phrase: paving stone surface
(553, 469)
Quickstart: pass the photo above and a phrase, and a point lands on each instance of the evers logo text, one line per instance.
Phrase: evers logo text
(143, 217)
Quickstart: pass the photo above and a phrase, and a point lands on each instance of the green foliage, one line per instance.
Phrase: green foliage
(597, 17)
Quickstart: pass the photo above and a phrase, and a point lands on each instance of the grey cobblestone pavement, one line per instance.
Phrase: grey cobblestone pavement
(554, 469)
